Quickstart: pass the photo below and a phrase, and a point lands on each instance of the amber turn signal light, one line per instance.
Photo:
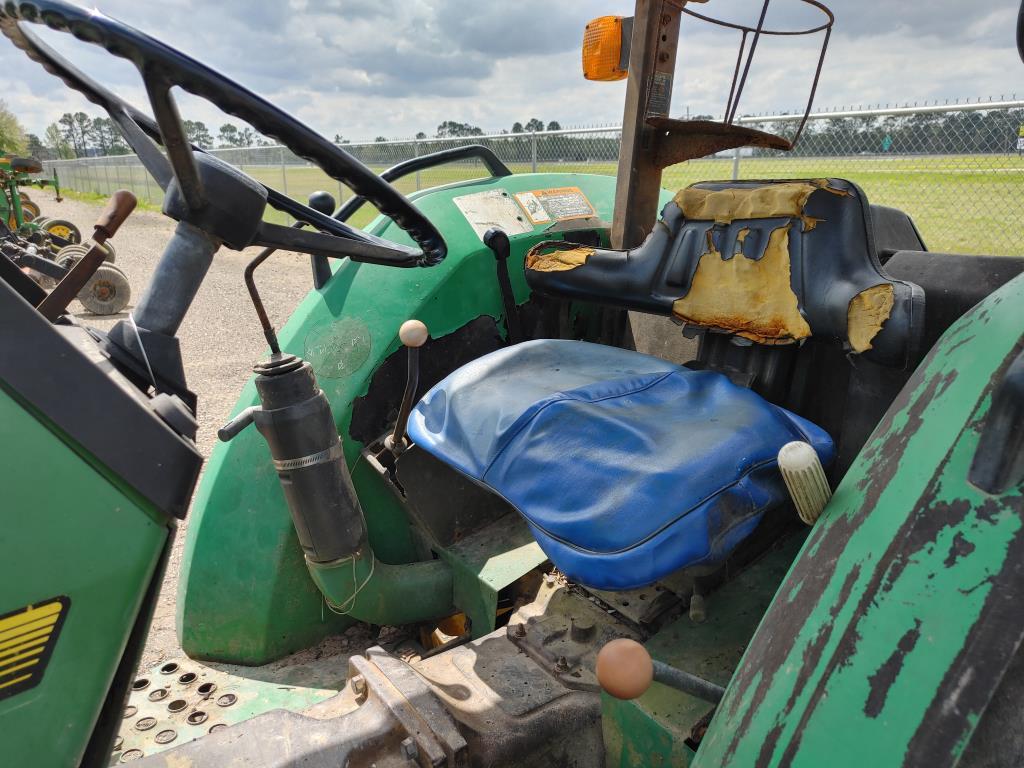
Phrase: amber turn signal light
(602, 49)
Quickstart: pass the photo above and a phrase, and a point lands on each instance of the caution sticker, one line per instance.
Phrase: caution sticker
(558, 204)
(27, 638)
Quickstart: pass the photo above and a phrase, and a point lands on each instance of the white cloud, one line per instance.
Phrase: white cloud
(364, 68)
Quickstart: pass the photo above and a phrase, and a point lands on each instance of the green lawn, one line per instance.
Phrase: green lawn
(960, 203)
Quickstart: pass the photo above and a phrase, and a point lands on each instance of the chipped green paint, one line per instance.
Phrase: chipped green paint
(244, 594)
(890, 633)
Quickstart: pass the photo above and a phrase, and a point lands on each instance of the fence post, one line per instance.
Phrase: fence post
(147, 177)
(416, 153)
(736, 164)
(533, 150)
(284, 179)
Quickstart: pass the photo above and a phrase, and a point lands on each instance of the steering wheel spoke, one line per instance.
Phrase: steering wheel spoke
(334, 247)
(148, 152)
(172, 133)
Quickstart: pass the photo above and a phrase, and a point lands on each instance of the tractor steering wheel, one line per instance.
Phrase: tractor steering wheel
(200, 189)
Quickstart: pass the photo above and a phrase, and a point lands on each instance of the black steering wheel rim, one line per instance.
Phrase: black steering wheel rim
(162, 67)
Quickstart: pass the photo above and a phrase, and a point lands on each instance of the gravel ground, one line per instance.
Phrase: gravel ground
(220, 340)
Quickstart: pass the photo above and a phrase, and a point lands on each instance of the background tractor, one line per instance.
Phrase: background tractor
(46, 248)
(795, 539)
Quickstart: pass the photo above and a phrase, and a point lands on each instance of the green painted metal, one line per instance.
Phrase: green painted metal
(107, 546)
(885, 641)
(368, 590)
(308, 685)
(245, 595)
(653, 729)
(486, 561)
(10, 199)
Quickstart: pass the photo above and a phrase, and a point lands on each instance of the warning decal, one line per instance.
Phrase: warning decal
(559, 204)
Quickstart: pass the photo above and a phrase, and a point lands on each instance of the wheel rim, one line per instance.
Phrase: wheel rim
(104, 291)
(60, 230)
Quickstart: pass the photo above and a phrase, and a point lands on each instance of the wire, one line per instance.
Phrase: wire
(145, 357)
(346, 607)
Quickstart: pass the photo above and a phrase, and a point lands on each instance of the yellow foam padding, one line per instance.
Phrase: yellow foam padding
(867, 313)
(751, 298)
(556, 260)
(769, 201)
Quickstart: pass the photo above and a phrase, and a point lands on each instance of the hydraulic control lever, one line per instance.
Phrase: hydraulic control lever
(626, 670)
(498, 242)
(413, 334)
(119, 207)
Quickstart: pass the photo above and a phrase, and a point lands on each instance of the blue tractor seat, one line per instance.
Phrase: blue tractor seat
(625, 466)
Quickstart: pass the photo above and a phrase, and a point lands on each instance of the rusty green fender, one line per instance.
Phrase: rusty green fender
(899, 617)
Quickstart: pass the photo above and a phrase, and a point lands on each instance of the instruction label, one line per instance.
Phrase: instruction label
(494, 208)
(558, 204)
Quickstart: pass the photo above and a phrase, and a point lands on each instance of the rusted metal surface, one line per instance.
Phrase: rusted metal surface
(652, 60)
(677, 141)
(897, 621)
(563, 631)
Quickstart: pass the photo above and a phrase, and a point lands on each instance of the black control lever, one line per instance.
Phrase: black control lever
(413, 334)
(498, 242)
(998, 463)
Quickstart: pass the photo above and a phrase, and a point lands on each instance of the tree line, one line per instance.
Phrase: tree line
(78, 134)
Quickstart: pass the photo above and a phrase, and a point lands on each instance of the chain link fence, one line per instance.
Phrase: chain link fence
(957, 170)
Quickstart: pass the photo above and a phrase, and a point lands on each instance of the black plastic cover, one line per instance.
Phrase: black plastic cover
(101, 410)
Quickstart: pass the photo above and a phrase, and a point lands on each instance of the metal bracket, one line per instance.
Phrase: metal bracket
(677, 141)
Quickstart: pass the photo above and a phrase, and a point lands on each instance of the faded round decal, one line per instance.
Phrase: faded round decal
(338, 350)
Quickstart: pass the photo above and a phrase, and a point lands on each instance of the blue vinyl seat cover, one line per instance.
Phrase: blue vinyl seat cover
(625, 466)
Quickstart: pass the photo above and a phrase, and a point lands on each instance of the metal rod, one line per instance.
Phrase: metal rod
(735, 74)
(814, 86)
(412, 381)
(750, 59)
(697, 687)
(257, 302)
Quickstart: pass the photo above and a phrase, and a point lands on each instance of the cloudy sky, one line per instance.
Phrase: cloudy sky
(364, 68)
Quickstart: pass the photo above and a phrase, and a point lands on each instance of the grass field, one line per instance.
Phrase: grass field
(960, 203)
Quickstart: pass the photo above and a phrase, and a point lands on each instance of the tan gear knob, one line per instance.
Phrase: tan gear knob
(413, 333)
(624, 668)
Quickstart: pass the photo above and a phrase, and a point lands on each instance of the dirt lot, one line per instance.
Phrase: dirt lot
(220, 340)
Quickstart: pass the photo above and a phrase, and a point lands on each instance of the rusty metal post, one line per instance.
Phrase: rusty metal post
(416, 153)
(652, 61)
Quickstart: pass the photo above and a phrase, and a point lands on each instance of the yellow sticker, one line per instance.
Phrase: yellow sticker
(27, 638)
(557, 204)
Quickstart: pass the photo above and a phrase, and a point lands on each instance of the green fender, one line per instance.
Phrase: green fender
(899, 617)
(245, 595)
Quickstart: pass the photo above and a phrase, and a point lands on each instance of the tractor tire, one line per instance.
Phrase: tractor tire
(29, 209)
(107, 292)
(78, 250)
(63, 228)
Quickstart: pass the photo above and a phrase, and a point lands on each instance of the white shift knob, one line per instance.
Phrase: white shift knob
(413, 333)
(805, 479)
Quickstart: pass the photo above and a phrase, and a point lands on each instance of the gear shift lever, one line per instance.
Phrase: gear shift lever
(413, 334)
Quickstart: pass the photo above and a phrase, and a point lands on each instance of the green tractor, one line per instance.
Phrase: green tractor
(794, 537)
(20, 213)
(46, 248)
